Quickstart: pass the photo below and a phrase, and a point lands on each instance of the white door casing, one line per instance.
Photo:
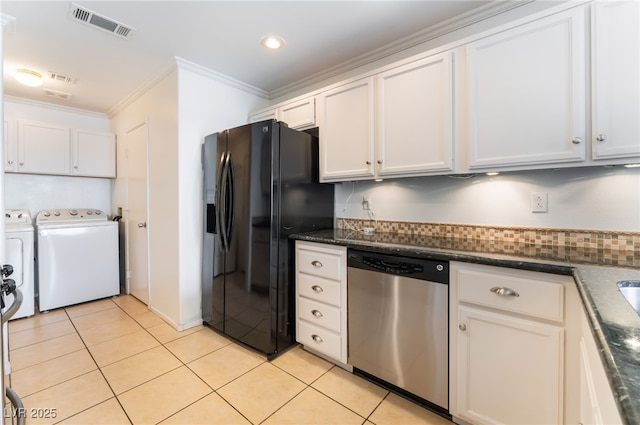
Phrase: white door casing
(136, 219)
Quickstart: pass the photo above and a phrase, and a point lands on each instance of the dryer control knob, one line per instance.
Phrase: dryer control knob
(47, 214)
(56, 213)
(89, 212)
(73, 212)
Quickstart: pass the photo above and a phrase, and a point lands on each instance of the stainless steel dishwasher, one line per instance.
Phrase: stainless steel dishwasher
(398, 310)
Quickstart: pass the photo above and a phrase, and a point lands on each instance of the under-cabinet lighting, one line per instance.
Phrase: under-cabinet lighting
(632, 165)
(492, 173)
(377, 180)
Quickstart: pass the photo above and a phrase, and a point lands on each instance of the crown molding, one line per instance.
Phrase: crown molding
(471, 17)
(222, 78)
(53, 106)
(150, 83)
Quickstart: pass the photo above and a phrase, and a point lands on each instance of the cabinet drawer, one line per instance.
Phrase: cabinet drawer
(320, 264)
(319, 339)
(326, 291)
(529, 293)
(319, 314)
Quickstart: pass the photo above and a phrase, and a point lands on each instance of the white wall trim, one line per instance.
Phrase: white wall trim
(217, 76)
(142, 89)
(53, 106)
(445, 27)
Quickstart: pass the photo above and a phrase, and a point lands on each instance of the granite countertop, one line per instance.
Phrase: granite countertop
(615, 324)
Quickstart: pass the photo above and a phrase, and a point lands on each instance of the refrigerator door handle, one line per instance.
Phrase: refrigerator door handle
(222, 201)
(229, 208)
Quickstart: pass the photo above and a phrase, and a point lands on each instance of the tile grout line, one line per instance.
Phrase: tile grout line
(101, 373)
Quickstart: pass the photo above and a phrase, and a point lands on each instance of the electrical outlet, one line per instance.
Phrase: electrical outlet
(365, 203)
(539, 202)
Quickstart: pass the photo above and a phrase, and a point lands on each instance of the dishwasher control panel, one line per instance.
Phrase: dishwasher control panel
(417, 268)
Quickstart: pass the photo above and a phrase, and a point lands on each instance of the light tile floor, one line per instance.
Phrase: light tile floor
(113, 361)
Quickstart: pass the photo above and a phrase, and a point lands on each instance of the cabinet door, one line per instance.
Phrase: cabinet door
(616, 67)
(346, 131)
(94, 154)
(526, 94)
(510, 370)
(415, 122)
(597, 404)
(271, 114)
(43, 148)
(300, 114)
(10, 152)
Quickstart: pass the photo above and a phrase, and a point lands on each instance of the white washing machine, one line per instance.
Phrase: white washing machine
(77, 257)
(20, 254)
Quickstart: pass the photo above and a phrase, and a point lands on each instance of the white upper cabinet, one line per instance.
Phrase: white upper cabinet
(346, 121)
(616, 79)
(300, 114)
(43, 148)
(396, 123)
(46, 148)
(10, 148)
(415, 119)
(94, 154)
(270, 114)
(526, 94)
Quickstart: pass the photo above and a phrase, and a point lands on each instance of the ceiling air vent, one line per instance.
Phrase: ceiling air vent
(56, 94)
(89, 17)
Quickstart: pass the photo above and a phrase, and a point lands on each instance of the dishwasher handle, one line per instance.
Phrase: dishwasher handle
(416, 268)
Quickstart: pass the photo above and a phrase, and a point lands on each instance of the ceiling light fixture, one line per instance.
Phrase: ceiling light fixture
(28, 77)
(272, 42)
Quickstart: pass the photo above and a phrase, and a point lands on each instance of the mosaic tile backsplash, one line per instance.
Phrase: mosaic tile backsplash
(584, 246)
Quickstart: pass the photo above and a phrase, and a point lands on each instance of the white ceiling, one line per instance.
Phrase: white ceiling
(222, 36)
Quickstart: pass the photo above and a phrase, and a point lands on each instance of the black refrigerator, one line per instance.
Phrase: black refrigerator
(260, 186)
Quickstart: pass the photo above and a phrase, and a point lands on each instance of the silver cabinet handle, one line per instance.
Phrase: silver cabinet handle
(316, 338)
(317, 288)
(21, 163)
(576, 140)
(316, 313)
(142, 225)
(317, 264)
(75, 167)
(505, 292)
(368, 162)
(10, 162)
(601, 137)
(380, 161)
(462, 327)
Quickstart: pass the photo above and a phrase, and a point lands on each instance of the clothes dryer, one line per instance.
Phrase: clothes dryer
(77, 257)
(20, 254)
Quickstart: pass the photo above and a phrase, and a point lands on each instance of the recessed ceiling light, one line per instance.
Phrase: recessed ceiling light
(28, 77)
(272, 42)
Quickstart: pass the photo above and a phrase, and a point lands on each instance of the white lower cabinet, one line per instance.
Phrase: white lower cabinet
(321, 299)
(522, 350)
(597, 405)
(509, 369)
(508, 345)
